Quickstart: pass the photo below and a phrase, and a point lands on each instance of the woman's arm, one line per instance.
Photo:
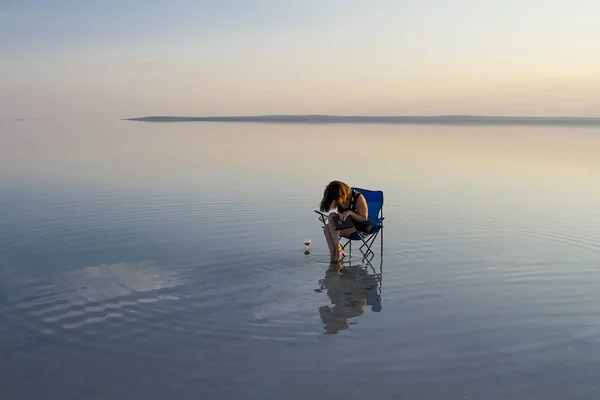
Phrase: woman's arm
(361, 207)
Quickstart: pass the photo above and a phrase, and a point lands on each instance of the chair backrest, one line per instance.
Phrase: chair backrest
(374, 200)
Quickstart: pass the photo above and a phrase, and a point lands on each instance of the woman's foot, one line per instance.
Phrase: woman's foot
(340, 256)
(337, 264)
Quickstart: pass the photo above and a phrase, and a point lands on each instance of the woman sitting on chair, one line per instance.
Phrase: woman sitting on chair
(350, 204)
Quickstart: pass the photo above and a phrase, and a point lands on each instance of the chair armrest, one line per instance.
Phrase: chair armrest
(378, 221)
(322, 216)
(374, 224)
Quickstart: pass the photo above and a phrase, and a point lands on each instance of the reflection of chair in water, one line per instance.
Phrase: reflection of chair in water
(350, 289)
(374, 298)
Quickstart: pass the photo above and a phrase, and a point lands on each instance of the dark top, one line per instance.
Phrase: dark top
(360, 226)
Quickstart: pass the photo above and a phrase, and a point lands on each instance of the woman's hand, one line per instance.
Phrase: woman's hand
(346, 214)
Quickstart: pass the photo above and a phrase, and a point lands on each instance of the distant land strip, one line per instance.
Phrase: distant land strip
(433, 120)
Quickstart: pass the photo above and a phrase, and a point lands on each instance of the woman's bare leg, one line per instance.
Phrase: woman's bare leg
(332, 238)
(336, 254)
(343, 232)
(329, 240)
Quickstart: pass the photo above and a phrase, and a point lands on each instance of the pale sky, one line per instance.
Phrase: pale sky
(131, 58)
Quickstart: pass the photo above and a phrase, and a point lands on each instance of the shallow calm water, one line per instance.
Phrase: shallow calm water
(155, 261)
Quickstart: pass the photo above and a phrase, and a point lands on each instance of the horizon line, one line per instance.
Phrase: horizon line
(390, 119)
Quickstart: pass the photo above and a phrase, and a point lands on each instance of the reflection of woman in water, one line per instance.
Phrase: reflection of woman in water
(349, 204)
(348, 295)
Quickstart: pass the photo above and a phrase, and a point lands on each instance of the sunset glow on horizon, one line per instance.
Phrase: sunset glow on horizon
(127, 59)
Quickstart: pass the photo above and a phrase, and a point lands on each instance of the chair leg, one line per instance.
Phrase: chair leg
(369, 242)
(348, 242)
(366, 251)
(366, 247)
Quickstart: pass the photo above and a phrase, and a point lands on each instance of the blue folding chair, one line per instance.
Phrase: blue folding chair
(374, 199)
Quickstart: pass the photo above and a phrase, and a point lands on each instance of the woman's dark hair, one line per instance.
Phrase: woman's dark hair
(334, 196)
